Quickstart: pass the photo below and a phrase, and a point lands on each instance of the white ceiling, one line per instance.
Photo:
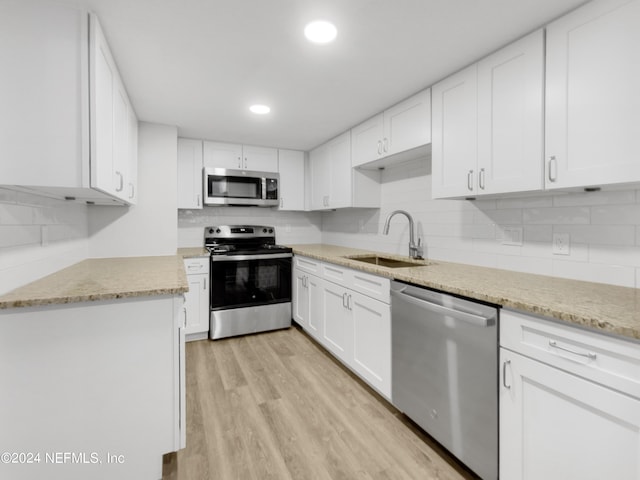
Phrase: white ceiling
(199, 64)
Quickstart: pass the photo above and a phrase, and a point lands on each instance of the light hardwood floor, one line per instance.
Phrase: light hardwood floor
(277, 406)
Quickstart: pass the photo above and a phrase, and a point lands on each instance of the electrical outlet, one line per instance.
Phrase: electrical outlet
(561, 244)
(512, 236)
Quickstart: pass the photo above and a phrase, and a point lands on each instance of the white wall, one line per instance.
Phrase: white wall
(604, 228)
(38, 236)
(148, 228)
(291, 227)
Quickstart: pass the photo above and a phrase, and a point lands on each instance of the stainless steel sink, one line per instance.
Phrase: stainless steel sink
(387, 261)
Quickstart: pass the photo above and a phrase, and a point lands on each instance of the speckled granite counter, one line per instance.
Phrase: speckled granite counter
(103, 279)
(608, 308)
(193, 252)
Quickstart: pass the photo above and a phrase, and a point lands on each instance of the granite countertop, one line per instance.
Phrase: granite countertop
(607, 308)
(193, 252)
(103, 279)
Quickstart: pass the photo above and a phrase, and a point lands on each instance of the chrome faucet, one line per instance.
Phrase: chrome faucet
(415, 250)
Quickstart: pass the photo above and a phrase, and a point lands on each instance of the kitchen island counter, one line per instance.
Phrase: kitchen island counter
(607, 308)
(103, 279)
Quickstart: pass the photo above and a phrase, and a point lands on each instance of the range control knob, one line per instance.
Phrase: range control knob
(211, 230)
(217, 230)
(264, 230)
(271, 230)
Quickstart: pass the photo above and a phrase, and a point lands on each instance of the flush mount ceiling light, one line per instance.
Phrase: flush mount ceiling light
(260, 109)
(320, 31)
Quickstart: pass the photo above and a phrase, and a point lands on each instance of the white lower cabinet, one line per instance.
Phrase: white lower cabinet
(336, 306)
(569, 402)
(196, 306)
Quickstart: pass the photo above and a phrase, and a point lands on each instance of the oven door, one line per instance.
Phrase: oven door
(239, 281)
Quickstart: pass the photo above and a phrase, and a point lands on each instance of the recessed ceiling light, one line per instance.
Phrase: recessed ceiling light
(320, 31)
(260, 109)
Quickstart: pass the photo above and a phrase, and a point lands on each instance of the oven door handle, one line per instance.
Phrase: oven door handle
(235, 258)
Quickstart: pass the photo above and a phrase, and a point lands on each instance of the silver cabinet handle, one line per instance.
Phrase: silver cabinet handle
(504, 374)
(119, 189)
(245, 162)
(349, 302)
(379, 147)
(184, 309)
(132, 190)
(470, 180)
(385, 145)
(589, 355)
(205, 284)
(239, 162)
(552, 168)
(198, 200)
(344, 300)
(481, 178)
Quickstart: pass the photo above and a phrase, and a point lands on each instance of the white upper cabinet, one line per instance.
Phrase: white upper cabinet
(112, 137)
(240, 157)
(510, 117)
(66, 121)
(398, 130)
(488, 124)
(455, 135)
(189, 173)
(334, 183)
(592, 96)
(291, 166)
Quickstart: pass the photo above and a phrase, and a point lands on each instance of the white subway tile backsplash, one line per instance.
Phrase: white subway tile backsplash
(14, 214)
(526, 202)
(607, 254)
(590, 272)
(615, 215)
(599, 234)
(538, 233)
(607, 197)
(18, 235)
(539, 266)
(554, 216)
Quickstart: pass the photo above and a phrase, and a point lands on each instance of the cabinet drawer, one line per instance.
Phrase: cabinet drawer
(197, 265)
(307, 264)
(373, 286)
(610, 361)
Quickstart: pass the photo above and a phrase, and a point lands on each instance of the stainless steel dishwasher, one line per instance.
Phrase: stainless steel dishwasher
(445, 371)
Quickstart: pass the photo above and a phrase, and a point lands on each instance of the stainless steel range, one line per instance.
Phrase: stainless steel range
(250, 280)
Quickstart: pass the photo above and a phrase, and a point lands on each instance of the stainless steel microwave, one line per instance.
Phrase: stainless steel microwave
(223, 186)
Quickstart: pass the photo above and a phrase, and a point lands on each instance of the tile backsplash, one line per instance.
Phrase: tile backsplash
(38, 236)
(291, 227)
(603, 228)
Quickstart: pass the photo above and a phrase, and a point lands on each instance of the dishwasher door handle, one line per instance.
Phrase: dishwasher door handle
(471, 318)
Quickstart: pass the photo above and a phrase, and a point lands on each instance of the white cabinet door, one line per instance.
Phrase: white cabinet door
(291, 170)
(113, 160)
(510, 118)
(196, 307)
(222, 155)
(300, 298)
(592, 96)
(372, 341)
(554, 425)
(366, 141)
(132, 184)
(189, 173)
(407, 125)
(316, 306)
(320, 177)
(197, 304)
(340, 186)
(261, 159)
(454, 131)
(337, 331)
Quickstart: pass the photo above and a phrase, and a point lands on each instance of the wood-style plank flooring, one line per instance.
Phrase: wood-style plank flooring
(277, 406)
